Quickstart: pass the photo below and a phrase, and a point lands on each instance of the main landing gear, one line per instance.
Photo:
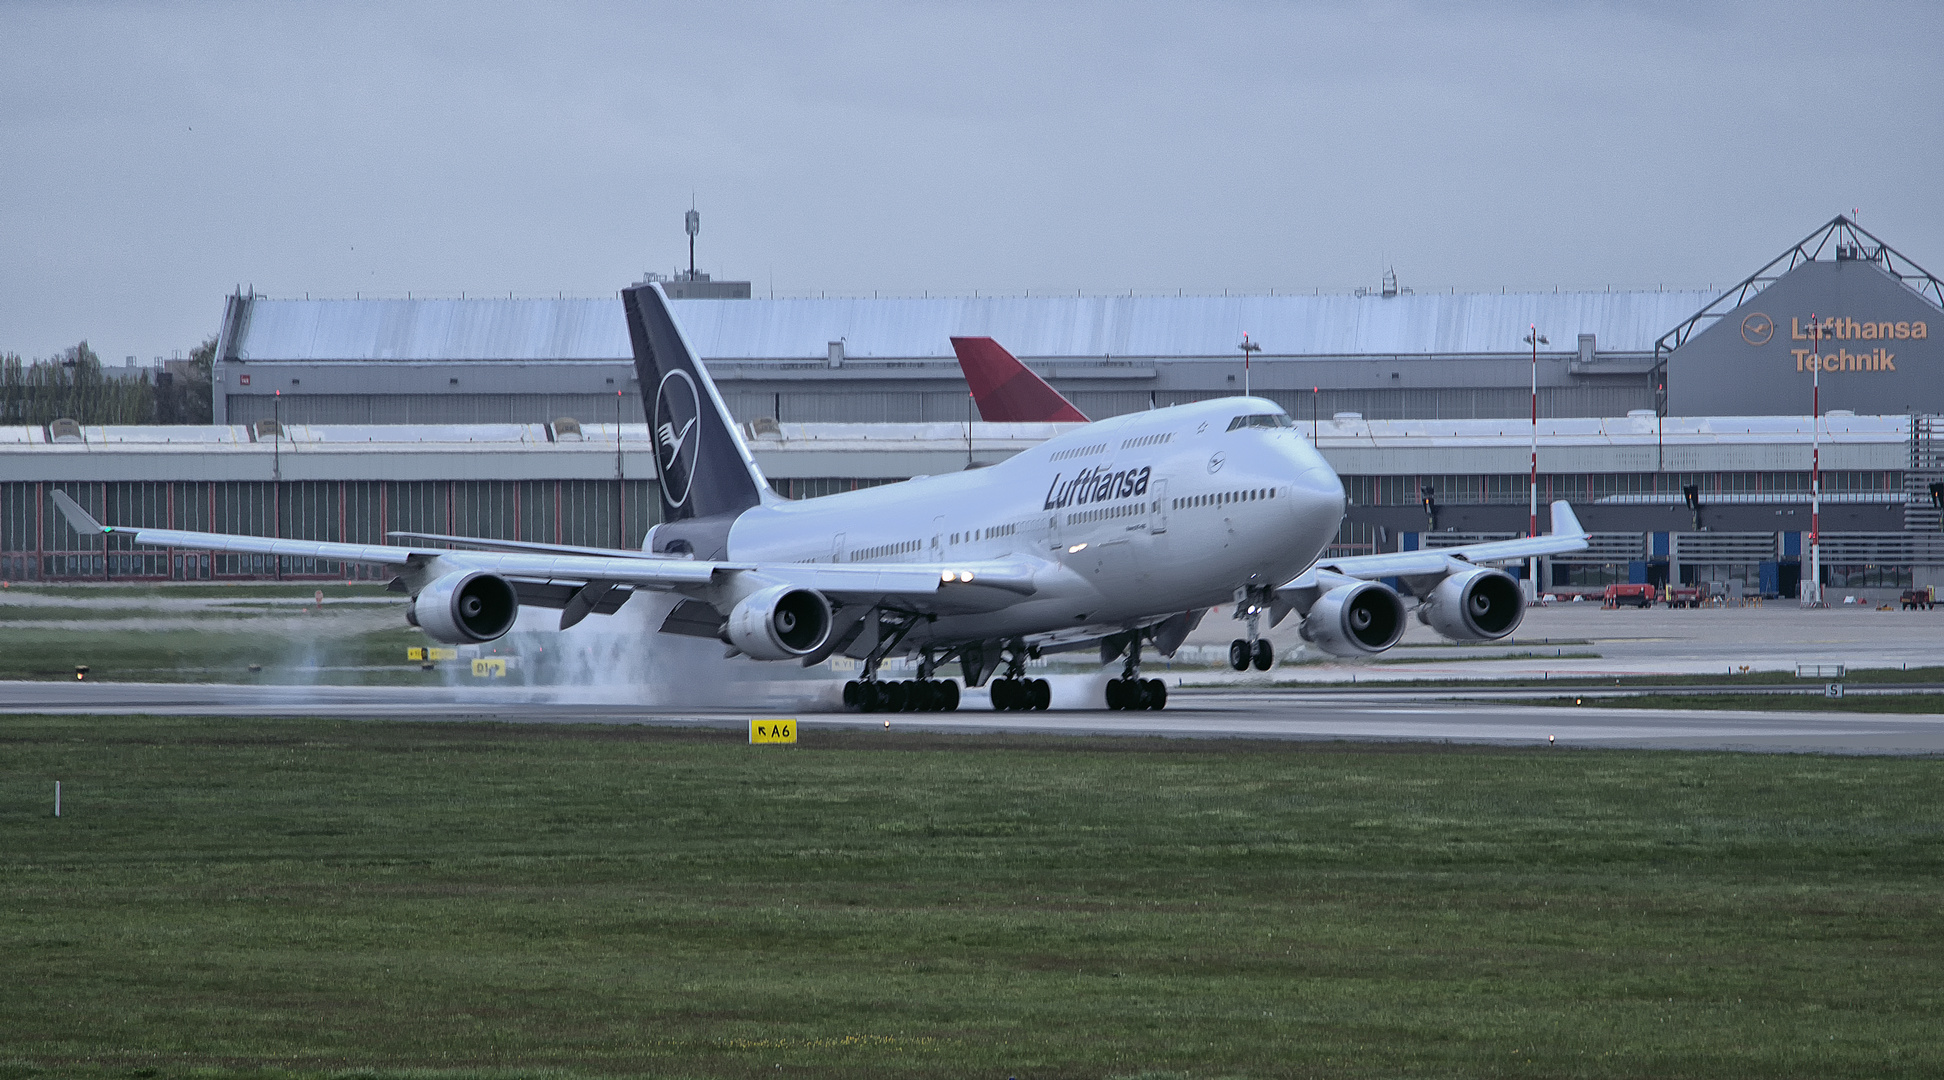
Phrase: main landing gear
(1130, 692)
(1256, 649)
(1015, 692)
(901, 695)
(1021, 695)
(923, 694)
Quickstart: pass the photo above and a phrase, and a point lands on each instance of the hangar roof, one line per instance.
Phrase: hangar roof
(1426, 324)
(1353, 446)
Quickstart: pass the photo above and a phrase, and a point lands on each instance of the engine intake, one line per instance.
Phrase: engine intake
(465, 608)
(1475, 605)
(781, 622)
(1355, 620)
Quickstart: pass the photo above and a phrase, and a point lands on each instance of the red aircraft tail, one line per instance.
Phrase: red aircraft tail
(1005, 389)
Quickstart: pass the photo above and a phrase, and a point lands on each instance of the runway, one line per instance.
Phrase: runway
(1387, 715)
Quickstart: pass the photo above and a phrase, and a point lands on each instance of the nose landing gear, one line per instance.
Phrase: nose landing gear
(1256, 649)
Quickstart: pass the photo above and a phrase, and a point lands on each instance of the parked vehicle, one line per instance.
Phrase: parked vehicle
(1924, 598)
(1629, 595)
(1689, 596)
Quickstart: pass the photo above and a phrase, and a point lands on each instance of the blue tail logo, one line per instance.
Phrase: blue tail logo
(677, 408)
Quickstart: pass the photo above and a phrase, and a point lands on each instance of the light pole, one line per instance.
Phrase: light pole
(1814, 597)
(1248, 348)
(1535, 339)
(276, 480)
(620, 482)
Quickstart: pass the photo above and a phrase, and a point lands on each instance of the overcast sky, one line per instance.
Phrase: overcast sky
(156, 156)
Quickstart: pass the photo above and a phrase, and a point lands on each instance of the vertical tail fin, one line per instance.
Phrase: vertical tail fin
(706, 469)
(1007, 390)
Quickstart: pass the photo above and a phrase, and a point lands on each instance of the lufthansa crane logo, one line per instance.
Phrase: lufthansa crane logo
(677, 408)
(1757, 328)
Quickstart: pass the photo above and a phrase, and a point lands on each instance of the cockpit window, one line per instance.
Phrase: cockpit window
(1268, 420)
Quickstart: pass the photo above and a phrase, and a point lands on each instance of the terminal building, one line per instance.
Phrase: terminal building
(1676, 422)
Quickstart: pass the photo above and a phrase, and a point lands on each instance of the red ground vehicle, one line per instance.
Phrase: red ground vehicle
(1633, 595)
(1920, 599)
(1686, 595)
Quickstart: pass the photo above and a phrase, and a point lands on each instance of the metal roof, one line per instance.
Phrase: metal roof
(1342, 431)
(1193, 326)
(1429, 324)
(433, 330)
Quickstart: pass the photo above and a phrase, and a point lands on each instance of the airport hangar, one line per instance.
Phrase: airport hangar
(343, 419)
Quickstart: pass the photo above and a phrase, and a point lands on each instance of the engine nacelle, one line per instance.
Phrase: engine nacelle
(464, 608)
(1355, 620)
(1476, 605)
(781, 622)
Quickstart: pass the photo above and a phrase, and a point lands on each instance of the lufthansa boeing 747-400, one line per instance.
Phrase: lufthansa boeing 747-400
(1119, 535)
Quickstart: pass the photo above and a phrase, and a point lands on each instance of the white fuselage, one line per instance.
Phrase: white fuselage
(1134, 518)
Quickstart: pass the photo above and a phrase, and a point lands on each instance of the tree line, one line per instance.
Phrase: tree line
(72, 385)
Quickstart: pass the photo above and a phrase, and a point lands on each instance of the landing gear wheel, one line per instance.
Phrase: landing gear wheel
(1138, 695)
(1265, 655)
(1002, 695)
(1239, 654)
(867, 696)
(1157, 694)
(850, 694)
(1116, 695)
(1039, 694)
(919, 697)
(946, 697)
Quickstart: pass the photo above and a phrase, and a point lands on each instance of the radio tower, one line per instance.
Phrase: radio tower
(693, 222)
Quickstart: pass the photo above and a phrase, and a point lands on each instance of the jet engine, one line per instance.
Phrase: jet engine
(1354, 620)
(464, 608)
(1475, 605)
(781, 622)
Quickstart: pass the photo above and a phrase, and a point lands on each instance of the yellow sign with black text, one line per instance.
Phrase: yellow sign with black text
(772, 731)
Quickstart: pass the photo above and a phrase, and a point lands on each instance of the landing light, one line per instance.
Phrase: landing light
(1076, 548)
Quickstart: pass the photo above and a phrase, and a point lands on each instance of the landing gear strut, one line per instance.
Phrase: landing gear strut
(1014, 692)
(1130, 691)
(1256, 650)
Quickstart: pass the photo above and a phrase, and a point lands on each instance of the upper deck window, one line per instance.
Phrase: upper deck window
(1265, 420)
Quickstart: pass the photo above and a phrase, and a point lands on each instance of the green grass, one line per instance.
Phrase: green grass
(282, 898)
(215, 640)
(1924, 703)
(206, 655)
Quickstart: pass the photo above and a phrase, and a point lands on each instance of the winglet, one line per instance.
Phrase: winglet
(77, 517)
(1006, 390)
(1564, 521)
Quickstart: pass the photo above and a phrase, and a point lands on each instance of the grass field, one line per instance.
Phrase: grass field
(208, 633)
(373, 899)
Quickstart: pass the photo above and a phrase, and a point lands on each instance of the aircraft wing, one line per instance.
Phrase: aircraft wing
(954, 587)
(1566, 535)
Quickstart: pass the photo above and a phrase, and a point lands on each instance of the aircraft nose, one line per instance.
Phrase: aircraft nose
(1317, 491)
